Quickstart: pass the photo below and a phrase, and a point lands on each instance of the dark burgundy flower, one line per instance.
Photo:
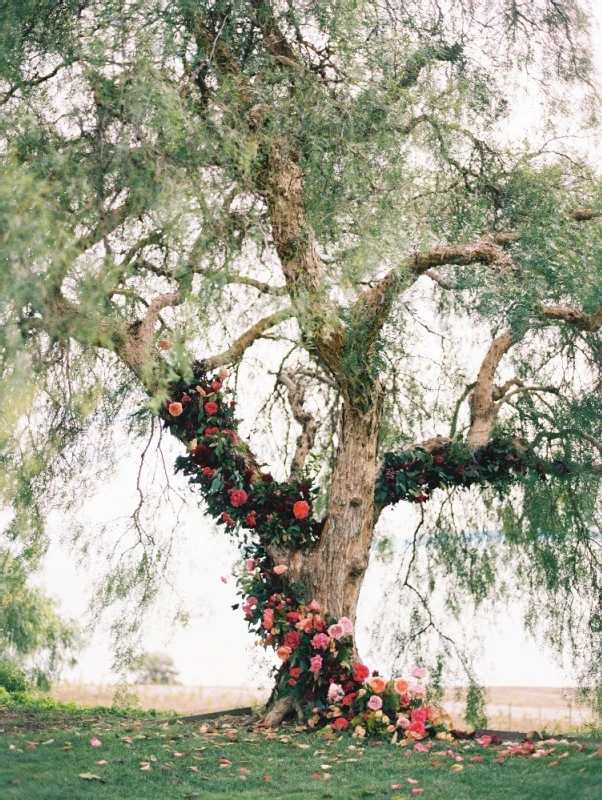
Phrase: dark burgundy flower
(201, 455)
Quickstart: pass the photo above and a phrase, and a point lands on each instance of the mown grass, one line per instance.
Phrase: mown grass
(149, 761)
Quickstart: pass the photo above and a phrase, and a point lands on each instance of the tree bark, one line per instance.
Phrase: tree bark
(334, 572)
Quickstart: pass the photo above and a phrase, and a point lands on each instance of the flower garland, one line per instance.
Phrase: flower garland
(415, 473)
(316, 652)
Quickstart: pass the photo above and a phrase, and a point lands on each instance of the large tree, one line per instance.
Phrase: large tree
(350, 183)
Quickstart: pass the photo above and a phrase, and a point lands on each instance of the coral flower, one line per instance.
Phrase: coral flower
(305, 625)
(227, 519)
(419, 715)
(340, 724)
(268, 619)
(211, 409)
(280, 569)
(401, 686)
(377, 684)
(295, 672)
(175, 409)
(283, 652)
(301, 509)
(417, 728)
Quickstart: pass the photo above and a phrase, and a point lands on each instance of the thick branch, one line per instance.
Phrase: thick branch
(276, 43)
(373, 306)
(309, 425)
(590, 323)
(484, 409)
(236, 351)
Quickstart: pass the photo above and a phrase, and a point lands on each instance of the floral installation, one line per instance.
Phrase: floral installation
(316, 652)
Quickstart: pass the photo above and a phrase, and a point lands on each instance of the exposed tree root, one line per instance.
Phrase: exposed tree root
(281, 710)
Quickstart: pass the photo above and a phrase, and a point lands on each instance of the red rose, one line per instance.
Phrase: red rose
(238, 497)
(295, 672)
(349, 698)
(301, 509)
(438, 459)
(227, 519)
(360, 672)
(292, 640)
(211, 431)
(208, 473)
(216, 386)
(292, 682)
(293, 616)
(420, 499)
(164, 345)
(340, 724)
(211, 409)
(250, 520)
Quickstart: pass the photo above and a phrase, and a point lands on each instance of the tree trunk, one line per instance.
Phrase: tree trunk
(334, 573)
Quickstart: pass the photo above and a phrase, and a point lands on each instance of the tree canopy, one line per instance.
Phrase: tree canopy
(350, 186)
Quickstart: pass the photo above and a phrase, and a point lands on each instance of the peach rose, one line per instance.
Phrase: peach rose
(280, 569)
(377, 684)
(283, 652)
(175, 409)
(401, 686)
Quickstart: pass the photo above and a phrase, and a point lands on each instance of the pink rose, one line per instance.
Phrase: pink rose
(268, 619)
(336, 631)
(280, 569)
(315, 664)
(320, 641)
(417, 728)
(252, 563)
(346, 625)
(403, 723)
(419, 672)
(314, 606)
(238, 497)
(375, 703)
(252, 601)
(417, 690)
(419, 747)
(335, 693)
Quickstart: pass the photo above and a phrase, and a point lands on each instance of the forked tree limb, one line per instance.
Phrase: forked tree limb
(308, 423)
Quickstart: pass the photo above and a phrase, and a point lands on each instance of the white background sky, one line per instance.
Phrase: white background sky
(215, 648)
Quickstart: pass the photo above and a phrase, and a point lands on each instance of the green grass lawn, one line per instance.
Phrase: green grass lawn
(145, 760)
